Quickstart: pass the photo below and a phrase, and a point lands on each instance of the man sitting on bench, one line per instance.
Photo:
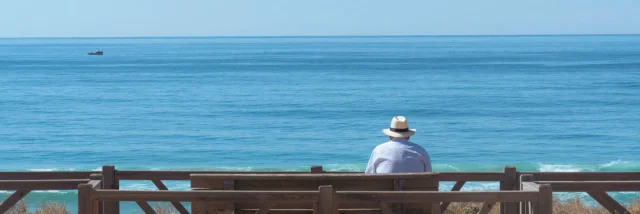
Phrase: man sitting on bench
(399, 154)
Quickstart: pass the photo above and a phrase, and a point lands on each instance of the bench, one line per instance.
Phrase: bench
(310, 182)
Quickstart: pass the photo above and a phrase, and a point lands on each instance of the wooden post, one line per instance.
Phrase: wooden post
(524, 206)
(316, 169)
(509, 183)
(100, 203)
(109, 181)
(325, 199)
(545, 200)
(85, 203)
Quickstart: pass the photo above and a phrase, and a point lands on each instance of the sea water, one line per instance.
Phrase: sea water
(479, 103)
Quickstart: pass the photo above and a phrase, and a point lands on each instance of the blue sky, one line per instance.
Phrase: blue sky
(114, 18)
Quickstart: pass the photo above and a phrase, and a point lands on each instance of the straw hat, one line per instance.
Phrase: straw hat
(399, 128)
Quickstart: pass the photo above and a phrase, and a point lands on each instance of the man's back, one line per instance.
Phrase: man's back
(397, 156)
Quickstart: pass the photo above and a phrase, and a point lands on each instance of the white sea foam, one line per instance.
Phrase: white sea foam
(613, 163)
(559, 168)
(51, 170)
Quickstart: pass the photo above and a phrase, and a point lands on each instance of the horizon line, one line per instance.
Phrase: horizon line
(320, 36)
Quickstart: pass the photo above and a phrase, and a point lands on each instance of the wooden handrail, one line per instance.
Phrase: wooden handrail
(584, 176)
(46, 175)
(435, 196)
(63, 184)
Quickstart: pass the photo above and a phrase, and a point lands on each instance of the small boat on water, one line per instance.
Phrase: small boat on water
(96, 53)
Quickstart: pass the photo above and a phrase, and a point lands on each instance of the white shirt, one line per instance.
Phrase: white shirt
(397, 156)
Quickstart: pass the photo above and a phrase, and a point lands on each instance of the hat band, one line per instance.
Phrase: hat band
(399, 130)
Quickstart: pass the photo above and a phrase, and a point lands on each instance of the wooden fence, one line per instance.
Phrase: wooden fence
(509, 179)
(324, 201)
(595, 184)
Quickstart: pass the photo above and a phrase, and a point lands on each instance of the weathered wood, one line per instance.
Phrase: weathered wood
(323, 176)
(65, 184)
(445, 205)
(85, 202)
(316, 169)
(46, 175)
(608, 202)
(265, 208)
(145, 207)
(470, 176)
(486, 208)
(545, 200)
(510, 182)
(184, 174)
(325, 200)
(594, 186)
(525, 206)
(384, 208)
(530, 186)
(95, 184)
(585, 176)
(434, 196)
(109, 181)
(214, 195)
(95, 176)
(435, 209)
(176, 204)
(12, 200)
(312, 181)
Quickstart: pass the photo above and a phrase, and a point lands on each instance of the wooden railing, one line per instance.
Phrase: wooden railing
(25, 182)
(595, 184)
(326, 200)
(24, 187)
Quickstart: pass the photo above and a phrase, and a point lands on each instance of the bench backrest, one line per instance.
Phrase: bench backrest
(302, 182)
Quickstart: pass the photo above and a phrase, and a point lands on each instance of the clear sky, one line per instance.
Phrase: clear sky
(114, 18)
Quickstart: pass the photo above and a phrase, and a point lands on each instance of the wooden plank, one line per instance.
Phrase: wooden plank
(384, 208)
(545, 200)
(145, 207)
(525, 206)
(85, 199)
(12, 200)
(445, 205)
(434, 196)
(486, 208)
(109, 181)
(185, 174)
(176, 204)
(215, 195)
(65, 184)
(213, 182)
(307, 177)
(96, 184)
(95, 176)
(45, 175)
(435, 209)
(471, 176)
(265, 208)
(608, 202)
(316, 169)
(530, 186)
(585, 176)
(325, 200)
(510, 182)
(594, 186)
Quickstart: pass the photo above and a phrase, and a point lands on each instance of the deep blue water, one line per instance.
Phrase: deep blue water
(541, 103)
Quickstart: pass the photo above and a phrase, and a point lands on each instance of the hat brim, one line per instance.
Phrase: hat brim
(390, 133)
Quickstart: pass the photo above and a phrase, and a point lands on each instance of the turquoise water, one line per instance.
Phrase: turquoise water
(541, 103)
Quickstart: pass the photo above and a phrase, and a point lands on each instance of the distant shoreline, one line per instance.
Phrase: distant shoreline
(326, 36)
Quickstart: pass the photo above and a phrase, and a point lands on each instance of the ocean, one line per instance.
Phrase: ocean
(479, 103)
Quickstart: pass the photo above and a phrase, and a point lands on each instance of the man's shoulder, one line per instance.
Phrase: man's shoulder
(384, 145)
